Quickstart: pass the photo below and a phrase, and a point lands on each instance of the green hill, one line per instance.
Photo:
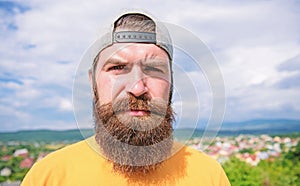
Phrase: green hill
(45, 135)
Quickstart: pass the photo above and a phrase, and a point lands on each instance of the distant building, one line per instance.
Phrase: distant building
(21, 152)
(16, 183)
(26, 163)
(262, 155)
(6, 157)
(5, 172)
(42, 155)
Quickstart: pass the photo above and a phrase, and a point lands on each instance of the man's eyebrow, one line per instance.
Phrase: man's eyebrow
(113, 61)
(154, 60)
(156, 63)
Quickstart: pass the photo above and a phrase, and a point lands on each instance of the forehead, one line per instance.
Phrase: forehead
(132, 52)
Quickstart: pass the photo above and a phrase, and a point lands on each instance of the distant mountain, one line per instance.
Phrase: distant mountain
(266, 125)
(46, 135)
(254, 127)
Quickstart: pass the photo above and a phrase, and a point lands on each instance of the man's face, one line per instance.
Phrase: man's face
(136, 69)
(132, 112)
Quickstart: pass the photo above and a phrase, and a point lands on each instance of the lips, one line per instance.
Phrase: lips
(139, 113)
(134, 112)
(139, 109)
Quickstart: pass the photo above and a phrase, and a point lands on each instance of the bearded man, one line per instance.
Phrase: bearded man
(131, 80)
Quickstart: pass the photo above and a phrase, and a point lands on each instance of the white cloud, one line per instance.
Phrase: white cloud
(65, 105)
(257, 64)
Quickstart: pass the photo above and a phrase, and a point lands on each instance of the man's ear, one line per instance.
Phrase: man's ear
(92, 83)
(91, 77)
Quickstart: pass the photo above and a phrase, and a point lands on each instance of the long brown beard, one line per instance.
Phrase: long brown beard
(135, 145)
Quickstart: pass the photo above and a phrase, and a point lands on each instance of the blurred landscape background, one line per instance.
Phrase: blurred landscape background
(257, 48)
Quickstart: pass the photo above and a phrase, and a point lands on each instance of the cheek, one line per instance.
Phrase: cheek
(104, 89)
(109, 88)
(159, 88)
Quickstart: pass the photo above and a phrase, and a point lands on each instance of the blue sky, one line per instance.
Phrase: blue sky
(256, 44)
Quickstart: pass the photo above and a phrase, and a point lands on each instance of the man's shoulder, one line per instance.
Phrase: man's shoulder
(69, 149)
(68, 154)
(189, 151)
(64, 164)
(60, 155)
(198, 167)
(195, 157)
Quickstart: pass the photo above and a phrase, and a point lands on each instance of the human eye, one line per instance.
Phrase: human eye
(153, 69)
(116, 67)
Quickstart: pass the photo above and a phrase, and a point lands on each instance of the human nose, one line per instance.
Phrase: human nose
(138, 86)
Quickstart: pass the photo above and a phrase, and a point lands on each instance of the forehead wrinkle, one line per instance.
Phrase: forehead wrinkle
(111, 52)
(120, 55)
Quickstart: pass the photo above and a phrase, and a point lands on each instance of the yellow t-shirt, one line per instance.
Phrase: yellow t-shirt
(80, 164)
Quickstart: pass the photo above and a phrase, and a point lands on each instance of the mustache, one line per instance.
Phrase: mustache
(130, 103)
